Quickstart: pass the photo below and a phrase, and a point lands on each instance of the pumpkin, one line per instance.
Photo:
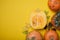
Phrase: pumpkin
(34, 35)
(54, 4)
(56, 20)
(38, 20)
(51, 35)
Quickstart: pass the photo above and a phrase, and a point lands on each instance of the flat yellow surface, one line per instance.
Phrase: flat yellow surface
(15, 13)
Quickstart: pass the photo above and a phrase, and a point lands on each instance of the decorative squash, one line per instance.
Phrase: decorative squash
(56, 20)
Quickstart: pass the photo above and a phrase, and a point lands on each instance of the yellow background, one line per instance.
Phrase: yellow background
(14, 14)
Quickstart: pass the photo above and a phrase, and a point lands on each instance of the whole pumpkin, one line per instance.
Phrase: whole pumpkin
(56, 20)
(34, 35)
(54, 4)
(51, 35)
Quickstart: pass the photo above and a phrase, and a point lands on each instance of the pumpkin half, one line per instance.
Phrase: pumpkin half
(38, 20)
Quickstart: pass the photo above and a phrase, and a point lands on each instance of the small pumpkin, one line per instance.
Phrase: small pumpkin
(51, 35)
(54, 4)
(34, 35)
(56, 20)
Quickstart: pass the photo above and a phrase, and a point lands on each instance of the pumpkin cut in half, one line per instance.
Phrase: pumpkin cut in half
(38, 20)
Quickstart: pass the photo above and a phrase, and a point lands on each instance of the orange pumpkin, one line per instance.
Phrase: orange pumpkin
(54, 4)
(51, 35)
(34, 35)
